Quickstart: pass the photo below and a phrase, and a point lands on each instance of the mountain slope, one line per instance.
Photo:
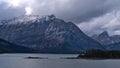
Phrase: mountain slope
(115, 46)
(6, 47)
(47, 34)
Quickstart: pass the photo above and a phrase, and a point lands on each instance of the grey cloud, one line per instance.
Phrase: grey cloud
(7, 12)
(78, 10)
(109, 22)
(71, 10)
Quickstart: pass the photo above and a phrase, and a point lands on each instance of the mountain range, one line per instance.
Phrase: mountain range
(46, 34)
(110, 42)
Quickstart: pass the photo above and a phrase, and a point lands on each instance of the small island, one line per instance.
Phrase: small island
(35, 57)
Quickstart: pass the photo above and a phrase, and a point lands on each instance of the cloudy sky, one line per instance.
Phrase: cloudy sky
(91, 16)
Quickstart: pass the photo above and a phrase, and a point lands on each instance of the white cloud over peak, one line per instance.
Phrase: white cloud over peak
(109, 22)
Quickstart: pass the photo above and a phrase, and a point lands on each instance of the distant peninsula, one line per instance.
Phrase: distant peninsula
(100, 54)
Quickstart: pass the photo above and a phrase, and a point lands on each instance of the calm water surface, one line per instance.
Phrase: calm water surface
(53, 61)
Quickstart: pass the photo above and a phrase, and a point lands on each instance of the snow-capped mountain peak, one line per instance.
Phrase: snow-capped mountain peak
(27, 19)
(47, 34)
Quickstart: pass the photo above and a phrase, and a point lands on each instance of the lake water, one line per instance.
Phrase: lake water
(53, 61)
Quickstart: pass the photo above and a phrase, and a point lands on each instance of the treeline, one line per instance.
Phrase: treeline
(100, 54)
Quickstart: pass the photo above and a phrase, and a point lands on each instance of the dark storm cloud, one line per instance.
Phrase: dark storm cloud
(84, 10)
(77, 10)
(74, 10)
(71, 10)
